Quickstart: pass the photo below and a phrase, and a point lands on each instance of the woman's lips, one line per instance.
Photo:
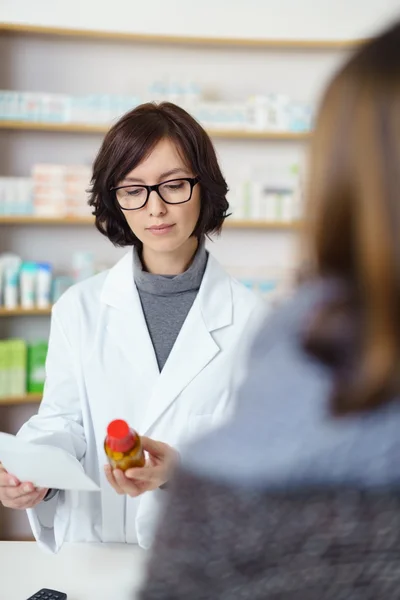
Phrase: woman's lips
(160, 229)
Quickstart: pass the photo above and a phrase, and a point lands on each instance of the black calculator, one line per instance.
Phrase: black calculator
(46, 594)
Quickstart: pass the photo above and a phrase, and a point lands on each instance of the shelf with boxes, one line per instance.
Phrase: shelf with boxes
(269, 116)
(259, 116)
(58, 195)
(51, 191)
(274, 117)
(30, 288)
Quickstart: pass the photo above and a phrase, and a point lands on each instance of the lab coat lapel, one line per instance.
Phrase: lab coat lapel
(128, 330)
(195, 346)
(127, 326)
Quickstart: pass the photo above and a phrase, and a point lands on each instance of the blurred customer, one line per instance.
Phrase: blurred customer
(298, 498)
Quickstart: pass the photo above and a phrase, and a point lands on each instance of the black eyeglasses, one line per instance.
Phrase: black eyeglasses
(173, 191)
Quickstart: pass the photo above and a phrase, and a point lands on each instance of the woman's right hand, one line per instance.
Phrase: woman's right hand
(16, 494)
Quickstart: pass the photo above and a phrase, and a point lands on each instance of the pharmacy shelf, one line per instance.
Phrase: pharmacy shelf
(60, 127)
(268, 225)
(33, 220)
(183, 40)
(236, 134)
(59, 221)
(24, 312)
(247, 134)
(25, 399)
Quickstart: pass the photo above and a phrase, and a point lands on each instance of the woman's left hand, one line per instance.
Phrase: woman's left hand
(157, 470)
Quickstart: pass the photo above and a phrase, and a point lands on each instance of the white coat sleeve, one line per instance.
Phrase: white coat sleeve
(58, 423)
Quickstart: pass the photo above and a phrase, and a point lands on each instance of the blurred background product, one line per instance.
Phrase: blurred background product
(269, 112)
(29, 285)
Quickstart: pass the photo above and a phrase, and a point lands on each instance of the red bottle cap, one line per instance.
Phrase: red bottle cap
(120, 438)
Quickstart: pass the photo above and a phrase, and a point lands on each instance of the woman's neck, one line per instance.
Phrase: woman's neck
(170, 263)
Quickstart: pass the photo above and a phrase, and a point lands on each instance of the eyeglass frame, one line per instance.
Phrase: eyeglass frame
(155, 188)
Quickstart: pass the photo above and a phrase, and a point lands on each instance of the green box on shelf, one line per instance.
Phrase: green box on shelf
(8, 360)
(12, 367)
(3, 369)
(37, 353)
(17, 362)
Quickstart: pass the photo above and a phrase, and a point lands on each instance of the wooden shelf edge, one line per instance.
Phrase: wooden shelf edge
(18, 400)
(56, 127)
(229, 224)
(239, 224)
(33, 220)
(245, 134)
(295, 44)
(24, 312)
(248, 134)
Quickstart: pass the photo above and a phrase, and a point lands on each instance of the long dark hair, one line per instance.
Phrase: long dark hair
(354, 225)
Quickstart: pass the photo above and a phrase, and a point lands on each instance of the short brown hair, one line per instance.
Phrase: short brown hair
(354, 219)
(130, 141)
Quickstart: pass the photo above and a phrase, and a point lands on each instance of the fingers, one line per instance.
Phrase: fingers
(156, 449)
(6, 479)
(121, 484)
(24, 500)
(145, 474)
(14, 494)
(23, 489)
(29, 500)
(111, 479)
(160, 453)
(128, 486)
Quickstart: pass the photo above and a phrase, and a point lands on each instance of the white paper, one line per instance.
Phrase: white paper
(43, 465)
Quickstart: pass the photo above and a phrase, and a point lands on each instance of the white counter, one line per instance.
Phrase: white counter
(82, 571)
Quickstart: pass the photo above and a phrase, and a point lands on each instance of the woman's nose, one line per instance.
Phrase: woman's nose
(156, 206)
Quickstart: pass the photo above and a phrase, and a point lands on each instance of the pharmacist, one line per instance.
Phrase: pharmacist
(153, 341)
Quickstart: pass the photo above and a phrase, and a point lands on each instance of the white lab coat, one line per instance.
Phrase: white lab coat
(101, 366)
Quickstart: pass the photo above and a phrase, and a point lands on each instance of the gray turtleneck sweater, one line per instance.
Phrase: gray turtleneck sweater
(166, 301)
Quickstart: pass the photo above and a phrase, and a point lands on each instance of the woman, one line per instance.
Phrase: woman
(298, 497)
(152, 341)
